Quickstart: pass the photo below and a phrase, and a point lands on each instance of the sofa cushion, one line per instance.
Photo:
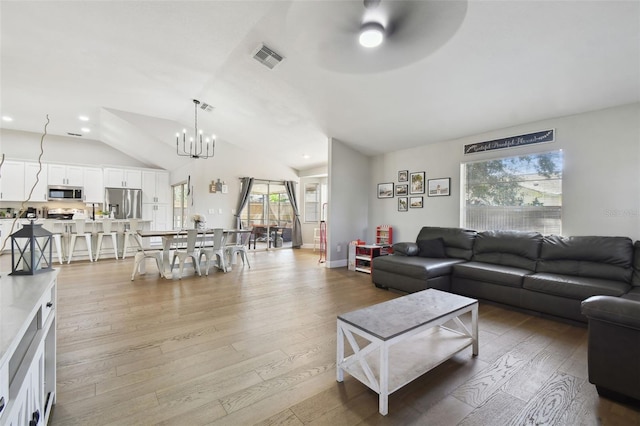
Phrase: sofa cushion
(573, 287)
(634, 294)
(609, 258)
(405, 249)
(489, 273)
(508, 248)
(636, 264)
(432, 248)
(458, 242)
(414, 266)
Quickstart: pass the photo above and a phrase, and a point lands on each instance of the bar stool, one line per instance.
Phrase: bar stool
(49, 225)
(131, 236)
(107, 230)
(80, 231)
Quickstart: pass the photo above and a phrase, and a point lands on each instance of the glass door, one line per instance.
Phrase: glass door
(269, 214)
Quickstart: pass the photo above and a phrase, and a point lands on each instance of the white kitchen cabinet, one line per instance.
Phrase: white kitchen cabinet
(30, 173)
(28, 349)
(93, 185)
(66, 175)
(159, 217)
(12, 181)
(122, 178)
(155, 187)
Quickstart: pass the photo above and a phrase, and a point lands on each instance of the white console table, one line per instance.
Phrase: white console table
(27, 348)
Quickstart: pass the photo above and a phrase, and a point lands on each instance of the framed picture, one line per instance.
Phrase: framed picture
(403, 176)
(417, 183)
(439, 187)
(385, 190)
(415, 202)
(403, 204)
(402, 189)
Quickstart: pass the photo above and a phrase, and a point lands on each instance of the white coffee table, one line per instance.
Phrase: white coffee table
(407, 337)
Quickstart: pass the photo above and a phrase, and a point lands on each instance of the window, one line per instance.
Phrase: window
(312, 202)
(180, 202)
(521, 193)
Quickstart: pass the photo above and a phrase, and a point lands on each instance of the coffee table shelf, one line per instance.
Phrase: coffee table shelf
(405, 338)
(414, 356)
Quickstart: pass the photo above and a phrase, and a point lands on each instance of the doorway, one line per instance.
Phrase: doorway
(269, 215)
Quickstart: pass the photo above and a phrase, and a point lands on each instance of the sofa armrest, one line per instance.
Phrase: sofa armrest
(614, 310)
(406, 249)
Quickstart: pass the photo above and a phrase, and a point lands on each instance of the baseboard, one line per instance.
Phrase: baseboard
(342, 263)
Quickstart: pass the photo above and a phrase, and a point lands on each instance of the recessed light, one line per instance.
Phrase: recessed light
(86, 129)
(6, 118)
(306, 156)
(83, 118)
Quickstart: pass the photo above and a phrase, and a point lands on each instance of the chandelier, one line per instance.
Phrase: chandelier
(197, 148)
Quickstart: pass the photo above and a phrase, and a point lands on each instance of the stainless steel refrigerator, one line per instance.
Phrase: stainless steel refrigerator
(124, 203)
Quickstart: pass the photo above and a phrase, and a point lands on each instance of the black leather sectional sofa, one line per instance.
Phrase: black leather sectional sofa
(547, 274)
(594, 279)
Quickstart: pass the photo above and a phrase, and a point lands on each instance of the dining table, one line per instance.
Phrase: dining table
(172, 237)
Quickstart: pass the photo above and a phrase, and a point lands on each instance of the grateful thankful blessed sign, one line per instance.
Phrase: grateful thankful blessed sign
(511, 142)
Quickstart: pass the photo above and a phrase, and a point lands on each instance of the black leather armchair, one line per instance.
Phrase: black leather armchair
(614, 346)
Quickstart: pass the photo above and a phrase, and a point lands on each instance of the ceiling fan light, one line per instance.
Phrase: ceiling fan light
(371, 34)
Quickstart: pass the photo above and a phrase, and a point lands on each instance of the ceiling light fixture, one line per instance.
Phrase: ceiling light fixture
(371, 34)
(6, 118)
(86, 130)
(196, 147)
(83, 118)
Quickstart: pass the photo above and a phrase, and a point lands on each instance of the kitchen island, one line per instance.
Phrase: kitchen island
(65, 227)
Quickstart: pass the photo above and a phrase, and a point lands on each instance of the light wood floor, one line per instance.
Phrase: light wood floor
(257, 346)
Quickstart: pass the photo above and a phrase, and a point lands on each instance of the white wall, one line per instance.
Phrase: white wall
(601, 180)
(349, 192)
(229, 165)
(62, 149)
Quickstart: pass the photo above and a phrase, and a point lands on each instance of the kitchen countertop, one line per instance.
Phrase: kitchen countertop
(20, 298)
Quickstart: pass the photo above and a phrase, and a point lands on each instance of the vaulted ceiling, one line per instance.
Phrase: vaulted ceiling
(446, 70)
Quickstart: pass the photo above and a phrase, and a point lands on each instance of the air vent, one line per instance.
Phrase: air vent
(267, 57)
(206, 107)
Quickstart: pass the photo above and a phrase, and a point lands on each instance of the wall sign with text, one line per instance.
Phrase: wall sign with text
(511, 142)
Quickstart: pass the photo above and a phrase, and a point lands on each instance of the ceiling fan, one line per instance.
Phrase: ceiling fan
(328, 32)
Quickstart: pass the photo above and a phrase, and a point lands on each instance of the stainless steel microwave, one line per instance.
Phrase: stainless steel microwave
(65, 193)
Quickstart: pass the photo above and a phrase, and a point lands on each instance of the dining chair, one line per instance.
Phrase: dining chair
(240, 247)
(190, 251)
(141, 255)
(217, 250)
(107, 230)
(80, 231)
(131, 237)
